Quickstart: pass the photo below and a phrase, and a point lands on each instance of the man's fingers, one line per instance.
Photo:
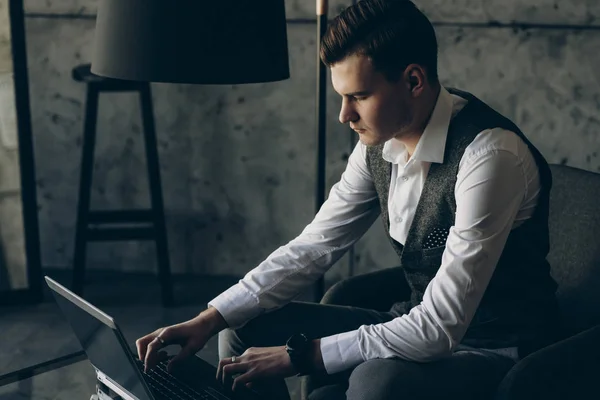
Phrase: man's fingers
(151, 353)
(233, 368)
(182, 355)
(222, 363)
(242, 380)
(140, 349)
(142, 343)
(161, 355)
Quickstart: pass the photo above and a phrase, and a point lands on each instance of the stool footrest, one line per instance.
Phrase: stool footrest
(119, 216)
(121, 224)
(98, 234)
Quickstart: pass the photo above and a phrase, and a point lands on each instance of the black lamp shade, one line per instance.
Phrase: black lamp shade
(191, 41)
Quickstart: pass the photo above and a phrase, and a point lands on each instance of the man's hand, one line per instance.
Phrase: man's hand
(257, 363)
(191, 335)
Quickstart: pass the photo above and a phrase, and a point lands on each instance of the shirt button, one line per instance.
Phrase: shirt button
(405, 178)
(398, 219)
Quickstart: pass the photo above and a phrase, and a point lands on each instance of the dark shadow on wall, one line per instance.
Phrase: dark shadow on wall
(4, 277)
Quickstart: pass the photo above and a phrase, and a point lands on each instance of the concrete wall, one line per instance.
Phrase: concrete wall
(238, 162)
(13, 262)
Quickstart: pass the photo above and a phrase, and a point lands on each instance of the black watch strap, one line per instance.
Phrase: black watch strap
(298, 347)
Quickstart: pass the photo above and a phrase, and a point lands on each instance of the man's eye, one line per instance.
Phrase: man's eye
(359, 98)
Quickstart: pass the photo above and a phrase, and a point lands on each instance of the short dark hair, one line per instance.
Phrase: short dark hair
(392, 33)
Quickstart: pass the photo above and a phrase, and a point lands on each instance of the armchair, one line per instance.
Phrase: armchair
(567, 369)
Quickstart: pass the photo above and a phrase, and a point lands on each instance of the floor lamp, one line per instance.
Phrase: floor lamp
(322, 19)
(203, 42)
(322, 8)
(199, 42)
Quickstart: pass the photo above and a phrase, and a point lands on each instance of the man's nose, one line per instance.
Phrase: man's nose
(346, 114)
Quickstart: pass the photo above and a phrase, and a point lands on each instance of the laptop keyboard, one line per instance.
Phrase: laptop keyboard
(171, 388)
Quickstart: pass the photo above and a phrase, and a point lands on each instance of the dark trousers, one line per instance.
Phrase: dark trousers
(468, 374)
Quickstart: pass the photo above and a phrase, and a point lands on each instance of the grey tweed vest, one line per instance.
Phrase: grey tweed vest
(519, 304)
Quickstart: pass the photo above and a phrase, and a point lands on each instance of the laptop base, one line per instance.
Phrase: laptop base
(104, 393)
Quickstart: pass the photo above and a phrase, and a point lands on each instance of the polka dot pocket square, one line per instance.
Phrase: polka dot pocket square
(436, 238)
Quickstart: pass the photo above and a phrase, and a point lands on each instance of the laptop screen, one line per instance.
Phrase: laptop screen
(105, 347)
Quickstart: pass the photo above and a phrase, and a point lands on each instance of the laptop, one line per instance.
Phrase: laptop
(119, 369)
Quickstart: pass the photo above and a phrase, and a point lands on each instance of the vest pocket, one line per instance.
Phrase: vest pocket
(433, 253)
(428, 259)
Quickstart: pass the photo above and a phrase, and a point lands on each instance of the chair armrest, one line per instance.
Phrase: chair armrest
(564, 370)
(377, 290)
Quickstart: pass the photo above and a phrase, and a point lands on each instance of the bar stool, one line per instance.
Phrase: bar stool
(149, 223)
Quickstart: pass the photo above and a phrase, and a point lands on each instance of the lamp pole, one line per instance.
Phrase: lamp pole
(322, 7)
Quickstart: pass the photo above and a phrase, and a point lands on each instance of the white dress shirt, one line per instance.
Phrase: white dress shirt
(497, 189)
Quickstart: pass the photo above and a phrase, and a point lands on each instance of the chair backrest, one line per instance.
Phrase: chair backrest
(575, 244)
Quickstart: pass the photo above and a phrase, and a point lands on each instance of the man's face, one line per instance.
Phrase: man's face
(378, 109)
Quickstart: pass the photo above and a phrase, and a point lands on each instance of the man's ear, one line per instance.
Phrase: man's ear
(414, 76)
(414, 82)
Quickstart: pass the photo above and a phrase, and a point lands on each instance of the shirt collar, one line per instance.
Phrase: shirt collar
(432, 143)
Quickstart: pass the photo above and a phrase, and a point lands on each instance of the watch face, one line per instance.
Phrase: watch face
(297, 341)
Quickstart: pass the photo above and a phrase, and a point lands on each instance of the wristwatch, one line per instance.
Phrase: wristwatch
(298, 348)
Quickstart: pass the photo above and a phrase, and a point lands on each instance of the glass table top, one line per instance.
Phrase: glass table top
(76, 380)
(39, 335)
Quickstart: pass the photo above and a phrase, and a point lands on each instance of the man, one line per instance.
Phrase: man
(464, 199)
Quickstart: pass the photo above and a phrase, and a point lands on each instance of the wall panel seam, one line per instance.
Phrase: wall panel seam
(310, 21)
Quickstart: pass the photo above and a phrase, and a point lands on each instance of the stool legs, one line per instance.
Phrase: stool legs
(85, 187)
(155, 216)
(158, 211)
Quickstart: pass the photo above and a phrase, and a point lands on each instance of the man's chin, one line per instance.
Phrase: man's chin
(369, 141)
